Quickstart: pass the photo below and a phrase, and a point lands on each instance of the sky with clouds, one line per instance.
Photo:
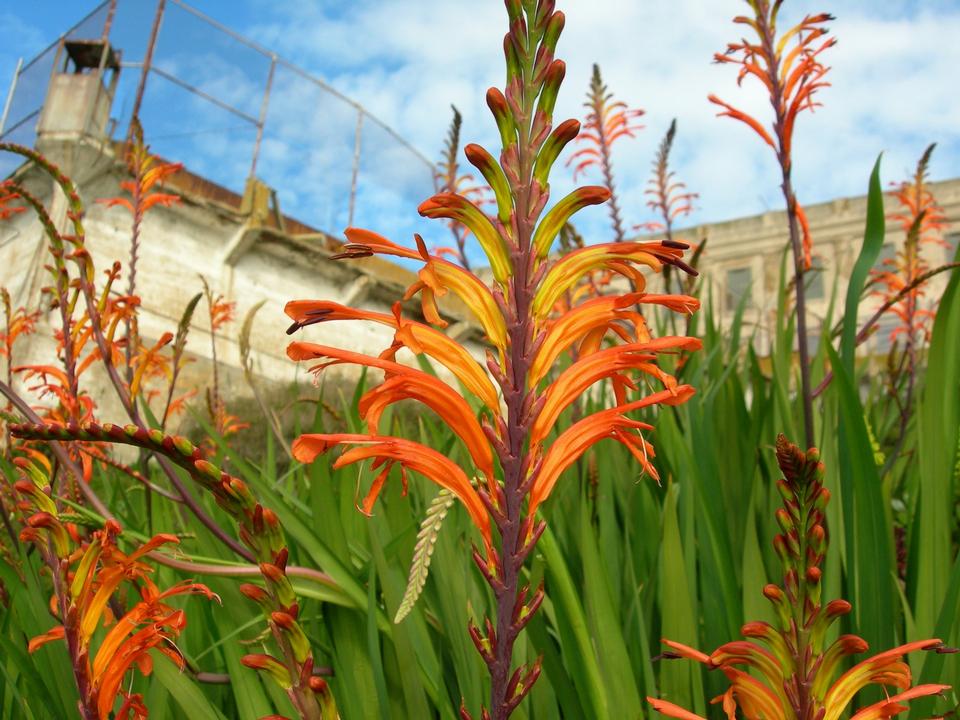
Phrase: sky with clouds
(894, 91)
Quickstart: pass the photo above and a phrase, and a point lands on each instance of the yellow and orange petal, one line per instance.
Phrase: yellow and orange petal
(573, 381)
(580, 436)
(410, 455)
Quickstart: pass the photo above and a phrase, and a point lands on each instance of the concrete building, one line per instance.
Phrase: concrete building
(243, 245)
(744, 257)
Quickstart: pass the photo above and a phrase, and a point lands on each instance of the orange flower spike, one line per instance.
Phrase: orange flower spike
(411, 455)
(580, 436)
(522, 345)
(605, 123)
(799, 673)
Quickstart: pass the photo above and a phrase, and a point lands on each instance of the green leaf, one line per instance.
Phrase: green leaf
(188, 695)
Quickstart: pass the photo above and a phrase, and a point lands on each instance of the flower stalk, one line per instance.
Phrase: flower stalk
(511, 447)
(260, 531)
(791, 76)
(790, 670)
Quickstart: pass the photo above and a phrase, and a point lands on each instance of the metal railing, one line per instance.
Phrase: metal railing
(229, 109)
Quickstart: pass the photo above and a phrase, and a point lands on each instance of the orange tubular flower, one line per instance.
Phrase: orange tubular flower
(609, 363)
(612, 423)
(409, 455)
(525, 334)
(405, 383)
(592, 319)
(436, 277)
(796, 678)
(617, 257)
(416, 337)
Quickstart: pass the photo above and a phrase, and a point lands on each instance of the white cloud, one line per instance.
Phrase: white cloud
(893, 67)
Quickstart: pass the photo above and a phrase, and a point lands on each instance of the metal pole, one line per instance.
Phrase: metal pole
(356, 167)
(108, 23)
(263, 116)
(13, 87)
(147, 61)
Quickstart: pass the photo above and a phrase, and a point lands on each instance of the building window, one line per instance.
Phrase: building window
(888, 251)
(738, 286)
(887, 323)
(813, 281)
(953, 241)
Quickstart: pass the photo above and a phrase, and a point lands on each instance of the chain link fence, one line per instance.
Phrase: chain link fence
(230, 109)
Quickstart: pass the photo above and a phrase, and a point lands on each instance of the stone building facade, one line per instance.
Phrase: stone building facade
(744, 257)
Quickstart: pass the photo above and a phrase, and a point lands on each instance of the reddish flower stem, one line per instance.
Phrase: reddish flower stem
(85, 279)
(777, 97)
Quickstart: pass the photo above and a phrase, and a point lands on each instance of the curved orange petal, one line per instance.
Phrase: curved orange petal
(39, 641)
(594, 367)
(580, 436)
(670, 710)
(439, 397)
(411, 455)
(363, 243)
(891, 705)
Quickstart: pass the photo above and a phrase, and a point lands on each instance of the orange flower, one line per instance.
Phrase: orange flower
(416, 337)
(387, 451)
(149, 624)
(590, 321)
(609, 363)
(612, 423)
(403, 383)
(436, 277)
(617, 257)
(460, 209)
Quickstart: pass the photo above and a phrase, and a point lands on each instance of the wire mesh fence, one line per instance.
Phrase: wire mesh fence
(228, 109)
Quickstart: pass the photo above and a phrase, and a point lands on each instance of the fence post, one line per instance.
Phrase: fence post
(147, 62)
(356, 166)
(265, 103)
(13, 89)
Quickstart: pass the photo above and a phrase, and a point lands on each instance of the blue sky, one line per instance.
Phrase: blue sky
(407, 60)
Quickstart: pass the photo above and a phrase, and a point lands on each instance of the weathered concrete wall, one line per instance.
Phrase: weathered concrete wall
(202, 236)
